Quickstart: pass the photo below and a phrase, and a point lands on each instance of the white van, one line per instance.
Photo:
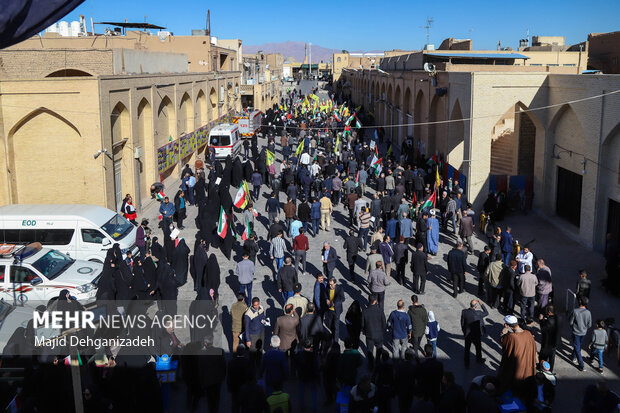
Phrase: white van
(83, 232)
(224, 139)
(32, 273)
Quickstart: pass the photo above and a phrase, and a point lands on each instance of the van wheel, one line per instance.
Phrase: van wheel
(96, 260)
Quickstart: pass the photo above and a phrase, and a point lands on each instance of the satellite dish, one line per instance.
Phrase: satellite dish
(429, 67)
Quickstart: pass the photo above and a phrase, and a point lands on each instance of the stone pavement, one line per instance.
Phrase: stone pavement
(563, 255)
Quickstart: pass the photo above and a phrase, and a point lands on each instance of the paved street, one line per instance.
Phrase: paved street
(563, 256)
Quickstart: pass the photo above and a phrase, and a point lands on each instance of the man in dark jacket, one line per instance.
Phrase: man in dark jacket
(320, 286)
(419, 320)
(272, 207)
(353, 245)
(311, 327)
(401, 257)
(373, 326)
(506, 244)
(551, 330)
(419, 268)
(484, 259)
(330, 258)
(457, 265)
(508, 283)
(472, 325)
(375, 211)
(287, 278)
(334, 297)
(303, 213)
(421, 229)
(466, 230)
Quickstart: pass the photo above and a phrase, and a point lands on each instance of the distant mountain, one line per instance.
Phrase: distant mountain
(295, 50)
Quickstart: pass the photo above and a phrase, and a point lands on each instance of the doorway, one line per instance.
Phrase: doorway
(613, 219)
(568, 199)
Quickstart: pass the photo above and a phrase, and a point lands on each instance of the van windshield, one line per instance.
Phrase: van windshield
(52, 264)
(219, 140)
(118, 227)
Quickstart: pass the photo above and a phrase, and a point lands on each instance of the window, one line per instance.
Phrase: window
(55, 236)
(117, 227)
(570, 64)
(21, 274)
(92, 236)
(614, 61)
(52, 264)
(2, 269)
(219, 140)
(338, 60)
(44, 236)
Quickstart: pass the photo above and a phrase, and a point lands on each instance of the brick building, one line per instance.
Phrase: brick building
(142, 109)
(482, 111)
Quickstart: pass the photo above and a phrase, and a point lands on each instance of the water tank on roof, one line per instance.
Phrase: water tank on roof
(75, 28)
(63, 28)
(53, 28)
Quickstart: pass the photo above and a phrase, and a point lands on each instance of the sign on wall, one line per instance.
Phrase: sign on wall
(170, 154)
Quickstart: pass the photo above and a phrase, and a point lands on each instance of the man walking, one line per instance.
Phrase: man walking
(377, 281)
(456, 266)
(580, 322)
(254, 323)
(286, 327)
(419, 320)
(272, 207)
(527, 286)
(326, 210)
(373, 326)
(278, 246)
(419, 267)
(472, 325)
(300, 248)
(287, 279)
(334, 299)
(245, 274)
(330, 257)
(353, 245)
(400, 325)
(401, 257)
(237, 311)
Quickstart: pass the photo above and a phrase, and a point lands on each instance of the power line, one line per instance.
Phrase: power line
(376, 126)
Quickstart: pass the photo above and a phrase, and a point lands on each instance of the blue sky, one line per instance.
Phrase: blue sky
(368, 25)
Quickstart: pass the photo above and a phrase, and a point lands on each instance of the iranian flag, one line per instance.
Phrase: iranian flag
(336, 116)
(246, 230)
(358, 124)
(375, 161)
(430, 202)
(222, 225)
(241, 199)
(348, 122)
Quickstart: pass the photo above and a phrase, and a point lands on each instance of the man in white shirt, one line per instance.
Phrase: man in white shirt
(315, 169)
(524, 257)
(305, 159)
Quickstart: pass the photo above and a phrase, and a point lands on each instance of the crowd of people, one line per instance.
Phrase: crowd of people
(318, 166)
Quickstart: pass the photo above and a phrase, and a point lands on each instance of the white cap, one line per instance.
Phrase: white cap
(510, 319)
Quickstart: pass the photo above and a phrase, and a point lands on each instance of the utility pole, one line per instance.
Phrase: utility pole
(310, 60)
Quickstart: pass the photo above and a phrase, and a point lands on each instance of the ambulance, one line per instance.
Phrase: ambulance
(225, 141)
(83, 232)
(31, 273)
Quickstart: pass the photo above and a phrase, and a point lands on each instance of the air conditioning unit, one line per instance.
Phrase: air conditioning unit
(440, 91)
